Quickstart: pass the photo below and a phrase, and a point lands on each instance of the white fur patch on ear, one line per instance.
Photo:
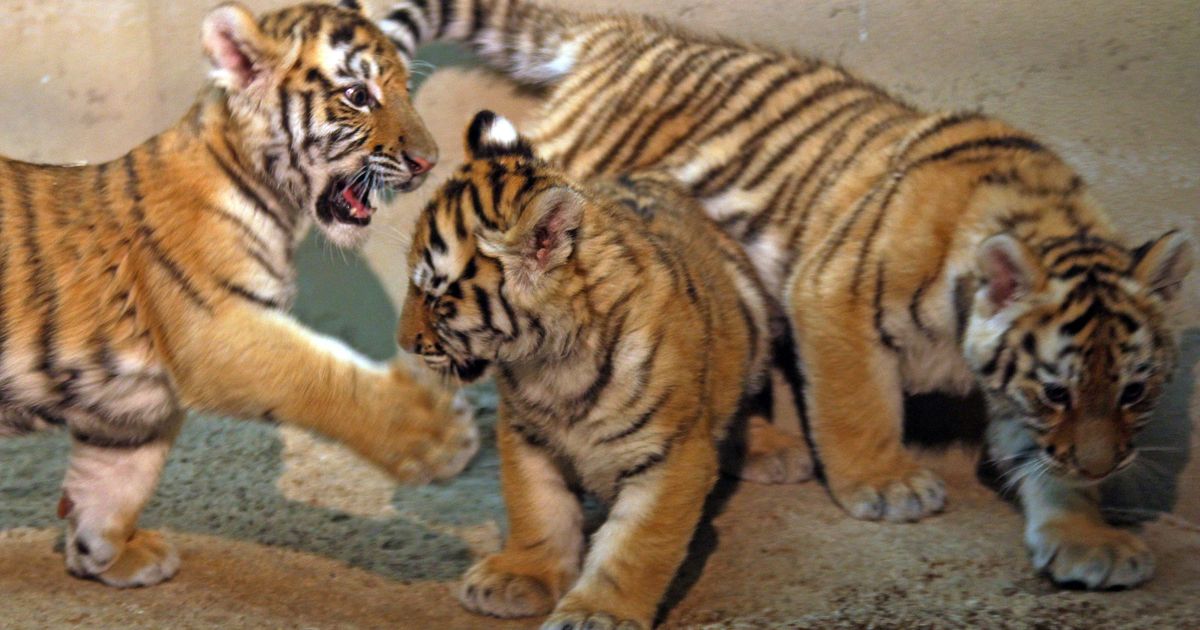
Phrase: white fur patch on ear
(490, 135)
(234, 45)
(500, 133)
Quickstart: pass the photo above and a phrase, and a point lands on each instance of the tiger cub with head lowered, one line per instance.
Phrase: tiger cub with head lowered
(623, 346)
(133, 290)
(912, 252)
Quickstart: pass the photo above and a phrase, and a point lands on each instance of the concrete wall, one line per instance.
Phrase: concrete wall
(1113, 85)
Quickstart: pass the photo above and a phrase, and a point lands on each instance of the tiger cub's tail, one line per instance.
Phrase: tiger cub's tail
(530, 43)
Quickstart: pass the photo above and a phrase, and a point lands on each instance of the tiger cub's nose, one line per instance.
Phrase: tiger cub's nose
(417, 163)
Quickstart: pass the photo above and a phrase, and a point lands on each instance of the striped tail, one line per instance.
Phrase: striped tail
(530, 43)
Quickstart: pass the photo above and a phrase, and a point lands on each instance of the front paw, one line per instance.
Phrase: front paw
(905, 497)
(489, 590)
(1082, 551)
(587, 620)
(144, 559)
(441, 452)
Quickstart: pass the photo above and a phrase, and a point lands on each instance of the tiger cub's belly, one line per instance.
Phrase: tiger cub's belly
(111, 395)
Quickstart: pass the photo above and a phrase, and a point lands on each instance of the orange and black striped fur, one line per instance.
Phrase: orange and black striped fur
(625, 332)
(135, 289)
(912, 252)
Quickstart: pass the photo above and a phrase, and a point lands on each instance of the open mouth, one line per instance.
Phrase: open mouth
(346, 202)
(466, 371)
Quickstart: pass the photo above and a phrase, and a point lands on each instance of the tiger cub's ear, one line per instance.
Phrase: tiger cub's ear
(1162, 264)
(542, 239)
(491, 136)
(547, 231)
(1008, 272)
(241, 54)
(353, 5)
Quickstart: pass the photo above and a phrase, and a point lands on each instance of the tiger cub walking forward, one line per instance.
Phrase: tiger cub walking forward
(134, 289)
(913, 252)
(623, 347)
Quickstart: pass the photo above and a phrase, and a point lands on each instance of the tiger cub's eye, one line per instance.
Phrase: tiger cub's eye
(1056, 394)
(1132, 393)
(358, 96)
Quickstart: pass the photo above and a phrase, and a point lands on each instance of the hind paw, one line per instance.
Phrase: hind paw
(774, 456)
(146, 558)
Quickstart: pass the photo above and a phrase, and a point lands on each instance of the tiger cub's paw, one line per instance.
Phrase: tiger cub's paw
(440, 454)
(909, 497)
(143, 560)
(488, 590)
(582, 620)
(1079, 551)
(774, 456)
(459, 441)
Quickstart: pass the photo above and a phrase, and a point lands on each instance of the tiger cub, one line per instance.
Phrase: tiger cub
(912, 251)
(623, 345)
(135, 289)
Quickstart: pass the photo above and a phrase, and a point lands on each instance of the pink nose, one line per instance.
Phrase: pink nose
(418, 164)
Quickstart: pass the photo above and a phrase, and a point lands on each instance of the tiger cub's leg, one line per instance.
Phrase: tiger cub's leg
(637, 551)
(770, 454)
(545, 536)
(1071, 543)
(268, 364)
(105, 489)
(855, 404)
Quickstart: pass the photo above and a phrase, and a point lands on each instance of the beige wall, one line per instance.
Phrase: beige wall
(1115, 86)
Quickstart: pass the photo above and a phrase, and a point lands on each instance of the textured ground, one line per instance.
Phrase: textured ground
(279, 530)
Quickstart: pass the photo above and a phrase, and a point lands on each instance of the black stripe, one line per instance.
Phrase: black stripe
(435, 235)
(530, 435)
(777, 160)
(647, 463)
(623, 100)
(148, 239)
(42, 298)
(672, 82)
(246, 191)
(401, 16)
(639, 145)
(998, 142)
(942, 125)
(1094, 310)
(914, 307)
(484, 303)
(885, 337)
(640, 422)
(250, 296)
(963, 297)
(445, 16)
(774, 87)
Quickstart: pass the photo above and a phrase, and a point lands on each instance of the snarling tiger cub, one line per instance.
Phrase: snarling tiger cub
(625, 331)
(135, 289)
(913, 252)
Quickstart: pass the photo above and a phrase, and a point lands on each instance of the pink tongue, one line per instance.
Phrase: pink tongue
(360, 210)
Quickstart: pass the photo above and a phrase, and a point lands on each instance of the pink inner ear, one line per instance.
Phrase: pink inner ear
(230, 57)
(1002, 279)
(544, 242)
